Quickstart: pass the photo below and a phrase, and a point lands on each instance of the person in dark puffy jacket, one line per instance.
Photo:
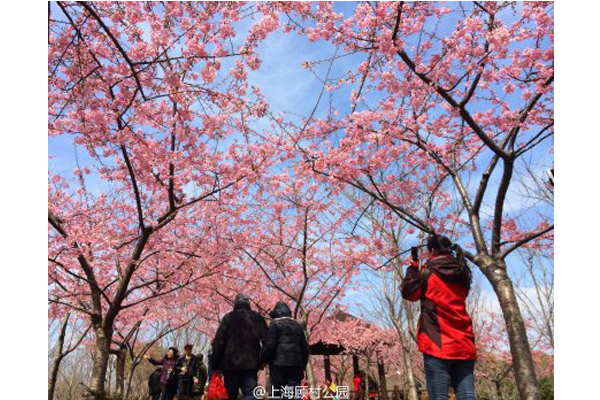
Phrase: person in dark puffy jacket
(236, 348)
(285, 349)
(445, 332)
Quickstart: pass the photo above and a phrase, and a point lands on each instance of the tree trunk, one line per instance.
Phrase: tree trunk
(523, 366)
(411, 382)
(310, 374)
(132, 368)
(310, 377)
(100, 360)
(367, 380)
(407, 361)
(58, 357)
(498, 387)
(54, 377)
(382, 380)
(120, 373)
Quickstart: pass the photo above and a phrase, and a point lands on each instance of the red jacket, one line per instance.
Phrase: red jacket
(444, 329)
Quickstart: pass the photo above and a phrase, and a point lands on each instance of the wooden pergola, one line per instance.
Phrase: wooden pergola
(327, 349)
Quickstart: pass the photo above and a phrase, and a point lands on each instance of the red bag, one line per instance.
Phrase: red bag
(216, 387)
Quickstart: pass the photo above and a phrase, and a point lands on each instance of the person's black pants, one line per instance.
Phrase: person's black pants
(246, 380)
(186, 388)
(284, 381)
(168, 391)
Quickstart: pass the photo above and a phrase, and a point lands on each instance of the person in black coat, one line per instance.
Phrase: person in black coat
(285, 350)
(154, 388)
(236, 348)
(193, 373)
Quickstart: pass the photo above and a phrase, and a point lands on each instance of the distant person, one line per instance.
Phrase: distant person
(397, 394)
(330, 390)
(285, 349)
(193, 374)
(357, 386)
(168, 373)
(372, 390)
(236, 348)
(154, 384)
(445, 335)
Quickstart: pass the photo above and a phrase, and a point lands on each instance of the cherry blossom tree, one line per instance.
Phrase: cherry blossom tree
(134, 336)
(387, 235)
(178, 201)
(446, 102)
(299, 251)
(371, 342)
(163, 145)
(354, 334)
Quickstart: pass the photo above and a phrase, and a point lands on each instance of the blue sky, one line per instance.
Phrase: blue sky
(289, 87)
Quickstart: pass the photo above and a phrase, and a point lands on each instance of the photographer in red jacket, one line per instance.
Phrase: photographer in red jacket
(445, 332)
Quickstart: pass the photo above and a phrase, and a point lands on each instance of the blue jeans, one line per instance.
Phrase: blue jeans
(246, 380)
(440, 374)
